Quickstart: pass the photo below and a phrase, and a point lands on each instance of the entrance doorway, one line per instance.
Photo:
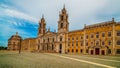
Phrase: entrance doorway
(97, 51)
(60, 48)
(91, 52)
(103, 52)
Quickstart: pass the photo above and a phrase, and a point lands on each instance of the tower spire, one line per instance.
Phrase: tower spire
(64, 6)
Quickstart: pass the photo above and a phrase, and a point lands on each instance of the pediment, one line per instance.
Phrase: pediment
(49, 33)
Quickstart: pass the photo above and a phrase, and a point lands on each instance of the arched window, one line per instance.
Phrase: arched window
(39, 31)
(60, 46)
(81, 37)
(40, 24)
(61, 17)
(60, 38)
(61, 25)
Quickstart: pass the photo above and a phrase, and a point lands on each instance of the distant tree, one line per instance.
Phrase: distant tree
(3, 48)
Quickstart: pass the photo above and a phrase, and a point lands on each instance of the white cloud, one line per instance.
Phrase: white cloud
(80, 11)
(14, 23)
(15, 13)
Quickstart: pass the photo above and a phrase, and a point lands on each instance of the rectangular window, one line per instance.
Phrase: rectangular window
(118, 33)
(109, 42)
(81, 50)
(86, 36)
(92, 36)
(81, 43)
(109, 34)
(86, 43)
(68, 39)
(91, 43)
(103, 43)
(118, 42)
(97, 35)
(97, 43)
(118, 51)
(103, 34)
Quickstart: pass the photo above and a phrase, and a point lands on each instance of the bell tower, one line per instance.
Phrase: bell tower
(63, 24)
(42, 27)
(63, 28)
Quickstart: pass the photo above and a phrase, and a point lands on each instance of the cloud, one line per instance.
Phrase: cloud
(17, 14)
(80, 11)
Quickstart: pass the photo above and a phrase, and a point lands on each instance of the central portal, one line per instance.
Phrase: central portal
(97, 51)
(60, 48)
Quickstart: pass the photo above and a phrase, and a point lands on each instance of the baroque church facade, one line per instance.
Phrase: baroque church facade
(97, 39)
(54, 41)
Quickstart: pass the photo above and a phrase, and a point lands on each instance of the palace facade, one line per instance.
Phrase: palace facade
(96, 39)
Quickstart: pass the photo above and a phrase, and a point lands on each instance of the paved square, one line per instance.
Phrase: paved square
(50, 60)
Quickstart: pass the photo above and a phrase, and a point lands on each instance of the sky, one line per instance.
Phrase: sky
(22, 16)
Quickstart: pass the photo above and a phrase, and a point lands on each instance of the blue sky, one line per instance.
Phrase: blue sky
(22, 16)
